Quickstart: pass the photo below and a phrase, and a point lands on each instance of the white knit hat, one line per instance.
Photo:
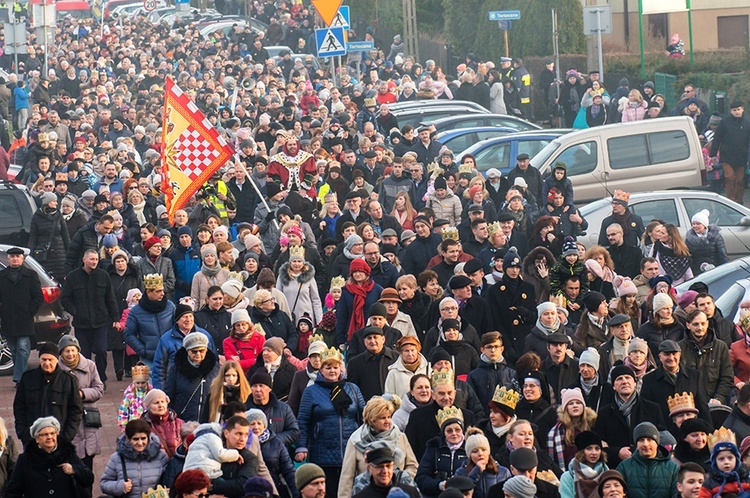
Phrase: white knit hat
(475, 440)
(701, 217)
(240, 315)
(590, 357)
(662, 301)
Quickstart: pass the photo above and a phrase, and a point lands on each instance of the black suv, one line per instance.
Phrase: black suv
(16, 209)
(50, 322)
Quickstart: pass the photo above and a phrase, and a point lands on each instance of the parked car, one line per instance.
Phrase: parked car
(16, 209)
(639, 156)
(414, 115)
(462, 138)
(729, 301)
(423, 104)
(465, 120)
(275, 50)
(51, 322)
(677, 207)
(501, 151)
(721, 278)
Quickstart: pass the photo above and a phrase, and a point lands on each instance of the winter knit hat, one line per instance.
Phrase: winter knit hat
(624, 286)
(251, 241)
(569, 246)
(359, 265)
(687, 298)
(240, 315)
(208, 249)
(328, 321)
(701, 217)
(132, 293)
(306, 474)
(645, 429)
(195, 340)
(109, 241)
(153, 395)
(275, 344)
(232, 288)
(47, 198)
(120, 254)
(68, 340)
(662, 301)
(254, 414)
(637, 344)
(546, 306)
(590, 357)
(351, 241)
(592, 300)
(520, 487)
(476, 439)
(151, 241)
(568, 395)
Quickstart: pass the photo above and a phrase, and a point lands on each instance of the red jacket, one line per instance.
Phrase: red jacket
(247, 351)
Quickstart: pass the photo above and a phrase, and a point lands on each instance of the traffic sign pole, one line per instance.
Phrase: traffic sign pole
(507, 48)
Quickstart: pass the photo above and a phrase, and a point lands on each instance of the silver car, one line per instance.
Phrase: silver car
(677, 207)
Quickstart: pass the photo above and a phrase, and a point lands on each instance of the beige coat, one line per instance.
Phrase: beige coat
(399, 377)
(201, 284)
(354, 461)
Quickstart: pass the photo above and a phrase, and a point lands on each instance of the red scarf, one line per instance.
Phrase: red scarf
(357, 321)
(304, 341)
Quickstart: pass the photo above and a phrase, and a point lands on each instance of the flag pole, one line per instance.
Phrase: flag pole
(248, 177)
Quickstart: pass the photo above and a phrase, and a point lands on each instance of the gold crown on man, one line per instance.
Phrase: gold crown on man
(297, 252)
(441, 378)
(330, 354)
(159, 492)
(450, 233)
(338, 282)
(464, 168)
(505, 397)
(559, 300)
(449, 413)
(494, 228)
(681, 403)
(316, 338)
(153, 281)
(721, 435)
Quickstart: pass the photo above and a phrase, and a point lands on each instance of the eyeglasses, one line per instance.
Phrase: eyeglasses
(271, 300)
(201, 495)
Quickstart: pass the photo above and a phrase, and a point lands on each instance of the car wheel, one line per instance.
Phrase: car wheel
(6, 359)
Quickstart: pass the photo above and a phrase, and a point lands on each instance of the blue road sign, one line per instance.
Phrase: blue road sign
(342, 18)
(330, 41)
(360, 46)
(505, 25)
(505, 15)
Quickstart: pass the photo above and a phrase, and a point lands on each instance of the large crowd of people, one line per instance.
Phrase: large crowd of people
(343, 309)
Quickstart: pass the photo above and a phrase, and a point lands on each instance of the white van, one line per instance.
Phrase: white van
(640, 156)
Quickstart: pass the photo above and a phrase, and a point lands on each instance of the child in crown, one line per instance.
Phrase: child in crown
(728, 477)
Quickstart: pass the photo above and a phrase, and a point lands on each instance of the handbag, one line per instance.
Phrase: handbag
(40, 254)
(92, 418)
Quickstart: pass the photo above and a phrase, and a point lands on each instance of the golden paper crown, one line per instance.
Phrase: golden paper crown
(493, 228)
(559, 301)
(316, 338)
(464, 168)
(450, 233)
(338, 282)
(441, 378)
(239, 276)
(449, 413)
(680, 403)
(42, 137)
(153, 281)
(297, 252)
(548, 476)
(330, 354)
(140, 370)
(259, 329)
(721, 436)
(159, 492)
(506, 397)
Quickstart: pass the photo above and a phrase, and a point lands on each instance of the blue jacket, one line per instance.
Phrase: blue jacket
(483, 481)
(323, 432)
(169, 343)
(143, 329)
(186, 262)
(279, 463)
(188, 386)
(21, 95)
(345, 308)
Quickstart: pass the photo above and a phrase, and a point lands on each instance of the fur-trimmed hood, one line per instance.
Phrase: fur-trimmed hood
(528, 261)
(151, 452)
(307, 275)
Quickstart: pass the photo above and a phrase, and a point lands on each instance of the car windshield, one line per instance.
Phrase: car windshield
(538, 160)
(729, 302)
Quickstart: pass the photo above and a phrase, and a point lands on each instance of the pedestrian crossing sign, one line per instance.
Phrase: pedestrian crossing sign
(342, 18)
(331, 41)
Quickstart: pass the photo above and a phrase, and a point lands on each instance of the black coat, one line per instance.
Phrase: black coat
(627, 259)
(42, 395)
(423, 426)
(544, 489)
(601, 394)
(486, 376)
(189, 386)
(216, 323)
(464, 357)
(50, 230)
(545, 461)
(541, 415)
(657, 388)
(476, 312)
(280, 465)
(276, 324)
(38, 473)
(245, 200)
(731, 139)
(372, 490)
(513, 314)
(86, 238)
(417, 308)
(439, 463)
(19, 302)
(90, 298)
(131, 279)
(369, 371)
(560, 375)
(282, 379)
(738, 422)
(356, 344)
(235, 474)
(614, 428)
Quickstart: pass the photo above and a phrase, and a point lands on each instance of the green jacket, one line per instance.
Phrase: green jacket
(652, 478)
